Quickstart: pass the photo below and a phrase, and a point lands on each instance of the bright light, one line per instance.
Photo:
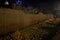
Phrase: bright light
(18, 2)
(6, 3)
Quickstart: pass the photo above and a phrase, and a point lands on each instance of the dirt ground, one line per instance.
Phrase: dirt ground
(12, 20)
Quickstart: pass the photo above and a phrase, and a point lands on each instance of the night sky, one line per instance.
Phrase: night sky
(35, 3)
(30, 2)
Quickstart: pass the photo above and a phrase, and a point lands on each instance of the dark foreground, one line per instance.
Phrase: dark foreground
(47, 29)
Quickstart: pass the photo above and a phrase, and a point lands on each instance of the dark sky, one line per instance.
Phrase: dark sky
(36, 3)
(29, 1)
